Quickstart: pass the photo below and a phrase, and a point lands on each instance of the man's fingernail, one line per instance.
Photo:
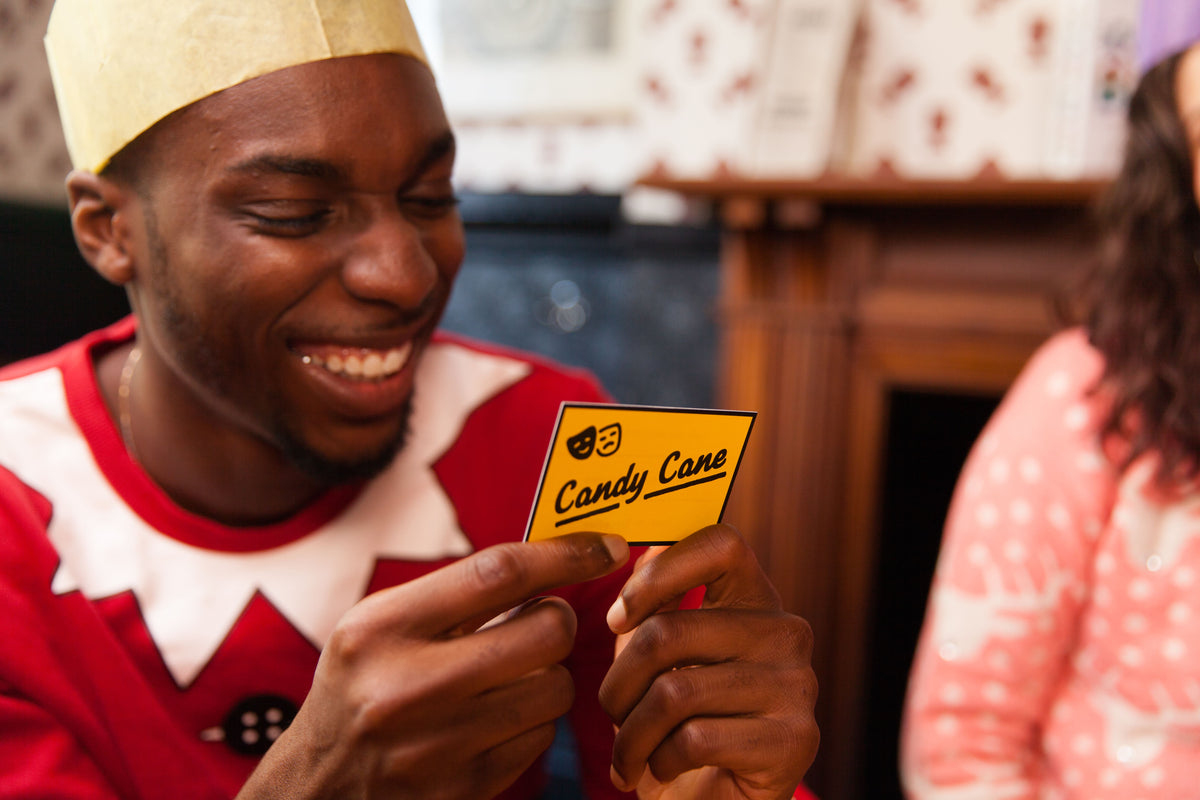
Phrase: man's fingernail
(616, 779)
(616, 546)
(617, 616)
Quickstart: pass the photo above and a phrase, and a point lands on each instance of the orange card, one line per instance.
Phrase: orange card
(650, 475)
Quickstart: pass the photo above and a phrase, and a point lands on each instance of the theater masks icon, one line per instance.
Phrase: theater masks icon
(608, 440)
(581, 444)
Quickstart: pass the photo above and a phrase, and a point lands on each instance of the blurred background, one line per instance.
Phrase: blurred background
(851, 216)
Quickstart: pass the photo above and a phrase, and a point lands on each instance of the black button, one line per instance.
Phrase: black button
(256, 722)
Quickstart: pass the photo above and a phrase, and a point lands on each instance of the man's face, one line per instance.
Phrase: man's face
(301, 242)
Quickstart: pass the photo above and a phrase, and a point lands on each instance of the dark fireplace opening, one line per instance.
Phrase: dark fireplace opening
(929, 436)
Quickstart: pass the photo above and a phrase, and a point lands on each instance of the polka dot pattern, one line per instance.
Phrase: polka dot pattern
(1065, 603)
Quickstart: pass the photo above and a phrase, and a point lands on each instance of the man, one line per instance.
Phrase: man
(260, 538)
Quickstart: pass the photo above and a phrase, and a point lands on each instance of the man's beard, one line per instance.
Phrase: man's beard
(206, 367)
(329, 472)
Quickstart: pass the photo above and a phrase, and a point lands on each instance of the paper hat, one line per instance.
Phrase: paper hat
(119, 66)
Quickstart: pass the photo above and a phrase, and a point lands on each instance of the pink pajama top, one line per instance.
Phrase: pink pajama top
(1060, 654)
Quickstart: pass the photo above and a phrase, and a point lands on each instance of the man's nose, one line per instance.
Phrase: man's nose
(389, 263)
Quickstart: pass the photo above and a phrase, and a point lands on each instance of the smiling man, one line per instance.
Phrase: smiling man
(261, 539)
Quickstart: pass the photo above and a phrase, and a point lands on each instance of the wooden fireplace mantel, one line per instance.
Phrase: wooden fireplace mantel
(834, 292)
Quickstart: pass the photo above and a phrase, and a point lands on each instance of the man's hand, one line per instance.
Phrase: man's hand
(717, 702)
(412, 698)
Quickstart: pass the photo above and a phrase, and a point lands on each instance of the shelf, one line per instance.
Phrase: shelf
(887, 190)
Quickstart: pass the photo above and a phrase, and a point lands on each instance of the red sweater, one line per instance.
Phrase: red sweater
(151, 653)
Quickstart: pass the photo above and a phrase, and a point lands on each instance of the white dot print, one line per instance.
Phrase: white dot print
(1076, 417)
(1016, 552)
(1179, 613)
(1105, 563)
(999, 660)
(1058, 516)
(1083, 744)
(1184, 577)
(1058, 384)
(946, 725)
(1153, 777)
(1021, 512)
(978, 555)
(952, 694)
(1089, 461)
(995, 692)
(1174, 649)
(998, 470)
(1109, 777)
(987, 515)
(1123, 517)
(1131, 656)
(1135, 624)
(1030, 470)
(1140, 589)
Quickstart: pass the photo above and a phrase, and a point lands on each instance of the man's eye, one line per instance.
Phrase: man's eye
(290, 225)
(430, 206)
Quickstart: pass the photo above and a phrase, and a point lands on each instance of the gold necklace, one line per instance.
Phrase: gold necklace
(124, 417)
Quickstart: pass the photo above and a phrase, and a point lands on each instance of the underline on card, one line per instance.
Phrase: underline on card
(687, 485)
(604, 510)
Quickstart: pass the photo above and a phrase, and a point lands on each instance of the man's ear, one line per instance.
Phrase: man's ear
(101, 213)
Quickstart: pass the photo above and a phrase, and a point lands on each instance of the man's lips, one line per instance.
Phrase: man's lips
(358, 363)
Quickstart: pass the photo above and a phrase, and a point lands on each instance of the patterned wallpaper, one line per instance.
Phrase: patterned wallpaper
(933, 88)
(1033, 88)
(33, 155)
(938, 88)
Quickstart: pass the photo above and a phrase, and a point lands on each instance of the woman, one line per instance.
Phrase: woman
(1060, 655)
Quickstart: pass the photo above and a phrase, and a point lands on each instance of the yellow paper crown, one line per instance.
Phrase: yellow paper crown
(119, 66)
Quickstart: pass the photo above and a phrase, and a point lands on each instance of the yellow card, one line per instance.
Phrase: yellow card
(650, 475)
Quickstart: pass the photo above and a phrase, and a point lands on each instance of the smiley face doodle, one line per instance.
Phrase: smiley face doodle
(608, 440)
(581, 444)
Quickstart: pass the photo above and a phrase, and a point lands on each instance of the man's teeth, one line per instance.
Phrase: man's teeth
(363, 364)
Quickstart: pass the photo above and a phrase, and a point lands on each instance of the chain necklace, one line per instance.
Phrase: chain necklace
(124, 417)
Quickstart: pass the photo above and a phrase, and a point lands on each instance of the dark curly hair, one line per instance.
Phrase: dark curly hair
(1140, 301)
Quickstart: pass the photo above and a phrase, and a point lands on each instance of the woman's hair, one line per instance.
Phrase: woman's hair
(1140, 302)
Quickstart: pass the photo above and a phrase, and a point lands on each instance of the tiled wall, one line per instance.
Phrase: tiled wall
(635, 306)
